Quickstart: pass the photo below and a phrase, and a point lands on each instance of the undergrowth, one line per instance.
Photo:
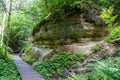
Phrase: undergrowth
(8, 70)
(56, 65)
(114, 33)
(108, 69)
(28, 58)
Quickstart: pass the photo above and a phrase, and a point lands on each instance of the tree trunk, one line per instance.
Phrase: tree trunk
(2, 32)
(8, 28)
(46, 3)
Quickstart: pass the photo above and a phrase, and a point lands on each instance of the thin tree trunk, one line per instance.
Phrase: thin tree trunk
(46, 3)
(3, 24)
(8, 28)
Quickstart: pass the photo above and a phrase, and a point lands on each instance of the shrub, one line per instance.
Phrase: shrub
(2, 51)
(112, 27)
(76, 77)
(95, 48)
(106, 70)
(2, 55)
(8, 70)
(28, 58)
(79, 55)
(98, 48)
(113, 34)
(28, 48)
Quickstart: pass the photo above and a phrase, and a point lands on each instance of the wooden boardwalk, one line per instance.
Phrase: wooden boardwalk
(25, 70)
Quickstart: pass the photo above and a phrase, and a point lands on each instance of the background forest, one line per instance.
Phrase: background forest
(35, 28)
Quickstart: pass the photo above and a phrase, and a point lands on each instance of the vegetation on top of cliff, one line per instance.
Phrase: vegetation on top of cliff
(57, 10)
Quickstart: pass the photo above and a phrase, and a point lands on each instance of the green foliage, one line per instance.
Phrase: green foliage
(58, 63)
(8, 70)
(107, 16)
(95, 48)
(98, 48)
(2, 51)
(108, 3)
(28, 58)
(105, 3)
(29, 47)
(77, 77)
(79, 54)
(21, 26)
(106, 70)
(113, 28)
(113, 34)
(58, 9)
(2, 5)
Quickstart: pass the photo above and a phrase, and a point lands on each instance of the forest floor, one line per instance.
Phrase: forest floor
(25, 70)
(104, 50)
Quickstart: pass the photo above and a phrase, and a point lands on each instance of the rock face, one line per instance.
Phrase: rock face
(68, 31)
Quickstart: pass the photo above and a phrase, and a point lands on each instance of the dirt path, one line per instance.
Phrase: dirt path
(25, 70)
